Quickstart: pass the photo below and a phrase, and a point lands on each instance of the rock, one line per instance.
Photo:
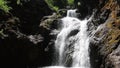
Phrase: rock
(106, 38)
(31, 14)
(50, 22)
(86, 7)
(35, 38)
(113, 59)
(62, 12)
(21, 46)
(74, 32)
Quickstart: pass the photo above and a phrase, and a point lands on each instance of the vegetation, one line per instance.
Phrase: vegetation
(4, 6)
(57, 4)
(70, 2)
(51, 5)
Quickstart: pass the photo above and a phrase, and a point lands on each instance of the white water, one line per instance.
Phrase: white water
(80, 55)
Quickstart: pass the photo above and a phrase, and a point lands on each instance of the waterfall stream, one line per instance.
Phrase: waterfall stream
(73, 39)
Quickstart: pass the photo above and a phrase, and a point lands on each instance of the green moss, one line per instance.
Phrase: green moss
(4, 6)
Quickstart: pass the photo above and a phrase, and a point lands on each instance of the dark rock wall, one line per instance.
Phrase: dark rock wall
(85, 7)
(23, 43)
(30, 13)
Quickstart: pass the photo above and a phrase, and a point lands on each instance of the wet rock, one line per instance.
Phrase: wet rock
(74, 32)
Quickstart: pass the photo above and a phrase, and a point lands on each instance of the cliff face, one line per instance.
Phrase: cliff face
(106, 38)
(29, 12)
(22, 42)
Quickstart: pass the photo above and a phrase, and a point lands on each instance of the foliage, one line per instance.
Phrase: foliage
(4, 6)
(55, 8)
(70, 2)
(58, 4)
(51, 5)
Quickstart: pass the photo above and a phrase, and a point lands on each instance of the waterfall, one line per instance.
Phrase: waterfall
(73, 34)
(71, 13)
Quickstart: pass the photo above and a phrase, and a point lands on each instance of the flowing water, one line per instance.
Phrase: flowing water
(73, 34)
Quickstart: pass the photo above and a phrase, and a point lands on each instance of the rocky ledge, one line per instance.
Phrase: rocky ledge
(106, 37)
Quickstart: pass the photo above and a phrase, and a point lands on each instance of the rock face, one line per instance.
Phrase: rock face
(23, 43)
(85, 7)
(30, 13)
(106, 38)
(19, 49)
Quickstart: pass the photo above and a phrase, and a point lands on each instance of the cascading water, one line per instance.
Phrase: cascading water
(73, 33)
